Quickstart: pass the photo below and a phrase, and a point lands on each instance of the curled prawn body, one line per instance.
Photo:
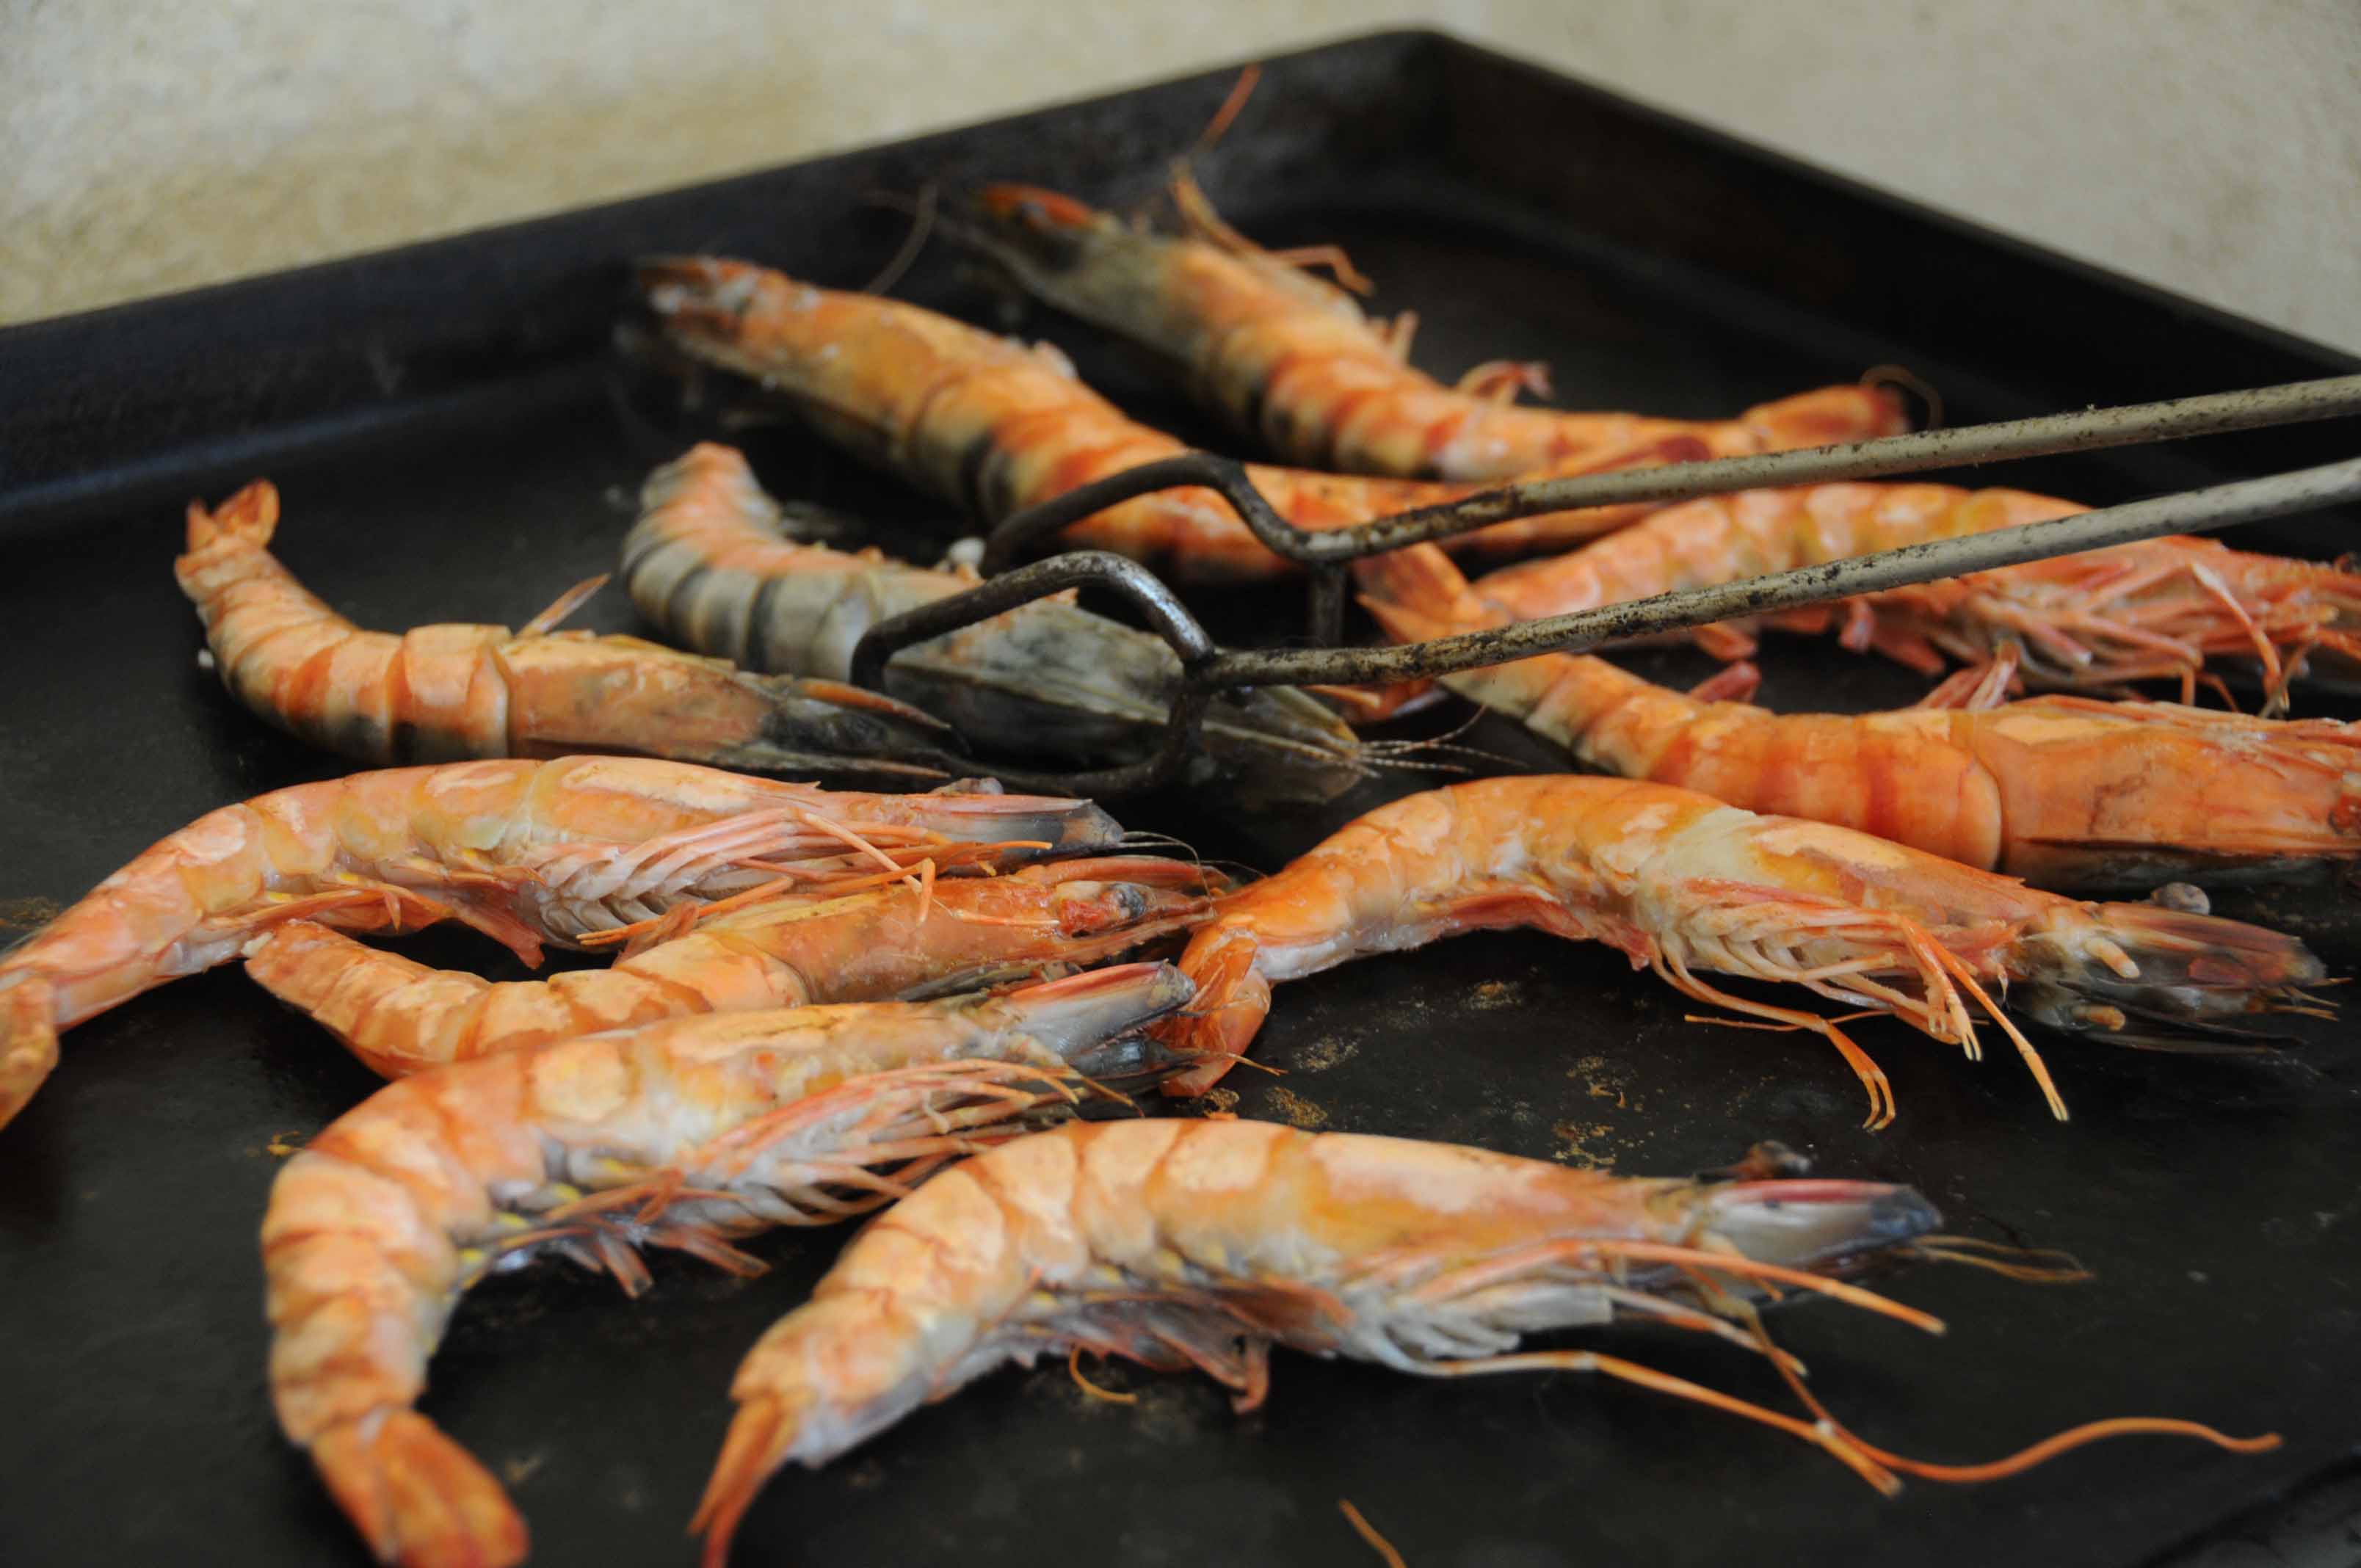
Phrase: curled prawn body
(1204, 1245)
(1292, 360)
(708, 562)
(526, 852)
(996, 427)
(681, 1135)
(1190, 1244)
(782, 951)
(2160, 609)
(442, 693)
(1687, 886)
(2065, 792)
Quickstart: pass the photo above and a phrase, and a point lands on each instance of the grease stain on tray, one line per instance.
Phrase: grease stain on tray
(1492, 995)
(1602, 1080)
(1330, 1050)
(1578, 1144)
(29, 912)
(1296, 1110)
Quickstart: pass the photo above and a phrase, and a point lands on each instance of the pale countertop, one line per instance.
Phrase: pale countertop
(2212, 147)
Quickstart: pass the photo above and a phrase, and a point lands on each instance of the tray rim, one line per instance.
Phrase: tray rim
(86, 330)
(1415, 42)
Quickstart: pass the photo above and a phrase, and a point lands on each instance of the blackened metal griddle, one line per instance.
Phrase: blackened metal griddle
(455, 441)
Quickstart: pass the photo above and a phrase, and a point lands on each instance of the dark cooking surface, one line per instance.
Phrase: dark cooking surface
(2217, 1203)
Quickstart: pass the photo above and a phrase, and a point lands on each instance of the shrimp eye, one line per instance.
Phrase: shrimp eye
(1051, 227)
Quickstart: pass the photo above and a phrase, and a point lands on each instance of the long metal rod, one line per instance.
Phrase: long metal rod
(2222, 505)
(1076, 569)
(1209, 669)
(2085, 430)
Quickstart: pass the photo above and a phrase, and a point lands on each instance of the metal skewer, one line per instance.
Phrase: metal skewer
(1210, 668)
(1323, 551)
(2091, 429)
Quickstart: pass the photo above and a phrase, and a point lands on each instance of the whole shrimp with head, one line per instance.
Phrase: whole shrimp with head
(441, 692)
(997, 427)
(1683, 883)
(2158, 610)
(1204, 1245)
(685, 1135)
(2066, 792)
(526, 852)
(1293, 361)
(777, 949)
(708, 562)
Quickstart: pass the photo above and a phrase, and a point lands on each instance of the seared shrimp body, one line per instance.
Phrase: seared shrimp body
(708, 562)
(786, 950)
(527, 852)
(681, 1135)
(1292, 359)
(2160, 609)
(1683, 883)
(2065, 792)
(442, 693)
(996, 427)
(1203, 1245)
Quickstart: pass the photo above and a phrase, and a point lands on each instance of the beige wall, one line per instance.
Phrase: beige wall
(2211, 145)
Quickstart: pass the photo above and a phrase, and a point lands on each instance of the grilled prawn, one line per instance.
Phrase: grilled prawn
(1682, 883)
(2162, 608)
(996, 427)
(1203, 1245)
(2065, 792)
(526, 852)
(441, 692)
(682, 1134)
(1292, 359)
(708, 562)
(782, 951)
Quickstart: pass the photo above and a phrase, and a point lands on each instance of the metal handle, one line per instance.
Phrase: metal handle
(1208, 669)
(2088, 431)
(2187, 511)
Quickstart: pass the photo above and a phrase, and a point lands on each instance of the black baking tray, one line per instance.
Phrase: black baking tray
(457, 440)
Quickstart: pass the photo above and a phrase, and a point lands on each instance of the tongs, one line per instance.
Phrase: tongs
(1325, 554)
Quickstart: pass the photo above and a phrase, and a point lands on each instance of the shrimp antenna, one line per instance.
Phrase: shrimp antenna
(1397, 754)
(1235, 1058)
(922, 224)
(1144, 838)
(2029, 1266)
(2025, 1459)
(1910, 381)
(1249, 75)
(1368, 1532)
(1074, 1371)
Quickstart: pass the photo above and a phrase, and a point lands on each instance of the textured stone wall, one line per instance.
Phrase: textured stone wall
(2210, 145)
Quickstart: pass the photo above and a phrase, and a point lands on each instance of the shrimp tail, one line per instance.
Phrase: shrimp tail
(1421, 579)
(1233, 1000)
(29, 1042)
(419, 1499)
(250, 516)
(2179, 973)
(759, 1439)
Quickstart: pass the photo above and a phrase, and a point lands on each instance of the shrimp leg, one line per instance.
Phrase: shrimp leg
(1681, 883)
(2066, 792)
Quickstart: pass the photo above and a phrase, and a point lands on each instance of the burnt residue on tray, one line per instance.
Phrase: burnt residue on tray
(456, 440)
